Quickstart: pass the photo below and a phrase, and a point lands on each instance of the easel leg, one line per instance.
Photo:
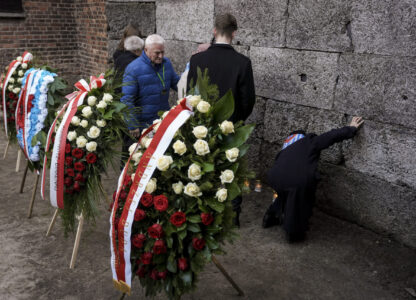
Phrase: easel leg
(19, 157)
(52, 222)
(29, 215)
(6, 150)
(22, 184)
(76, 244)
(221, 268)
(122, 296)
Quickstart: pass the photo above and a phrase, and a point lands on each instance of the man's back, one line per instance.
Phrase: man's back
(228, 69)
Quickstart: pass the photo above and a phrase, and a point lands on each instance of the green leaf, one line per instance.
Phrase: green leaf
(171, 265)
(169, 242)
(223, 108)
(207, 253)
(240, 136)
(243, 149)
(194, 219)
(158, 259)
(208, 167)
(119, 106)
(215, 205)
(182, 234)
(50, 99)
(218, 220)
(186, 277)
(211, 242)
(233, 191)
(206, 186)
(194, 228)
(108, 115)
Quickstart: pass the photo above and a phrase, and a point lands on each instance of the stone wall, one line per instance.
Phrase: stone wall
(316, 64)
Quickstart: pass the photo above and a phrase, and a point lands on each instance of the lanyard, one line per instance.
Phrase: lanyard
(162, 80)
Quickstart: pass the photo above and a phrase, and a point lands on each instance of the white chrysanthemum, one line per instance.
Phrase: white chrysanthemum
(136, 157)
(11, 80)
(24, 66)
(83, 123)
(227, 127)
(194, 100)
(16, 90)
(102, 104)
(19, 58)
(132, 148)
(20, 73)
(101, 123)
(107, 97)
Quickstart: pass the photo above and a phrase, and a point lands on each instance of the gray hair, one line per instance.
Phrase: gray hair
(133, 43)
(154, 39)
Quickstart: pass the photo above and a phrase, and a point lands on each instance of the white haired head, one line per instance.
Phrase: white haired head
(154, 39)
(133, 43)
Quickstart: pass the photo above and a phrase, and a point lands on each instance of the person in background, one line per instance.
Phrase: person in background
(130, 30)
(294, 177)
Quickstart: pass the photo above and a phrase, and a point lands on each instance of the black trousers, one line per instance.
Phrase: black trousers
(236, 202)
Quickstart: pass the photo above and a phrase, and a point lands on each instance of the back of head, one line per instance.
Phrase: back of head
(133, 43)
(225, 24)
(154, 39)
(130, 30)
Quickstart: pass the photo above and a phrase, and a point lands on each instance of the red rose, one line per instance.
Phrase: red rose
(69, 191)
(77, 187)
(70, 172)
(114, 195)
(138, 240)
(127, 180)
(159, 247)
(162, 274)
(79, 178)
(67, 148)
(146, 258)
(147, 200)
(79, 166)
(116, 221)
(154, 274)
(11, 95)
(78, 153)
(123, 195)
(141, 272)
(207, 218)
(68, 181)
(68, 160)
(139, 215)
(91, 158)
(178, 218)
(198, 244)
(155, 231)
(182, 263)
(160, 202)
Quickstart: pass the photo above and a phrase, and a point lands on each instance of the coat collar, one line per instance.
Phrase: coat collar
(224, 46)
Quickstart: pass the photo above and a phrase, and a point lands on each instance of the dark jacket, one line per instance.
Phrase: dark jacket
(143, 89)
(122, 59)
(228, 69)
(294, 176)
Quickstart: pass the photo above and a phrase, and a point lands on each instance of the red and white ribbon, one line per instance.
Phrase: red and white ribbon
(120, 253)
(57, 169)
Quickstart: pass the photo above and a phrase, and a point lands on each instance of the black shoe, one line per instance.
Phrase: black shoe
(295, 237)
(270, 220)
(237, 220)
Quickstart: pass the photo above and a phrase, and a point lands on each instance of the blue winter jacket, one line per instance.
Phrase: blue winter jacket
(143, 90)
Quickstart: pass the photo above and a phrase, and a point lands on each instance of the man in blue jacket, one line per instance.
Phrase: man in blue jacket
(147, 81)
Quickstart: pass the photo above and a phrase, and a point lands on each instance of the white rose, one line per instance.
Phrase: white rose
(132, 148)
(194, 100)
(14, 72)
(75, 121)
(101, 123)
(201, 147)
(94, 132)
(10, 87)
(20, 73)
(200, 132)
(132, 176)
(191, 189)
(144, 141)
(203, 106)
(19, 59)
(227, 176)
(147, 144)
(179, 147)
(136, 157)
(157, 122)
(24, 66)
(16, 90)
(102, 104)
(232, 154)
(151, 185)
(165, 114)
(81, 141)
(72, 135)
(227, 127)
(221, 195)
(107, 97)
(94, 85)
(177, 187)
(86, 112)
(19, 80)
(84, 123)
(91, 146)
(91, 100)
(164, 162)
(194, 172)
(11, 80)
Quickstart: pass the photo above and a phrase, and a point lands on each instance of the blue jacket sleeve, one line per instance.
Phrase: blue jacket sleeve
(130, 92)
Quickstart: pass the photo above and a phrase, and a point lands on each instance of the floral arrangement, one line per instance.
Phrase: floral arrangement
(10, 85)
(41, 95)
(88, 145)
(185, 214)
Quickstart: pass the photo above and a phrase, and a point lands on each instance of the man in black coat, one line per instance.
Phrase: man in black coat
(294, 177)
(228, 69)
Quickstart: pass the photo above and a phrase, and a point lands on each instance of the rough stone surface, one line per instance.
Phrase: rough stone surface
(378, 87)
(319, 25)
(189, 20)
(384, 151)
(384, 27)
(282, 118)
(302, 77)
(179, 52)
(260, 23)
(374, 203)
(140, 15)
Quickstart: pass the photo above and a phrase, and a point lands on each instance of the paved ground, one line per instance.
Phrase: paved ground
(339, 260)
